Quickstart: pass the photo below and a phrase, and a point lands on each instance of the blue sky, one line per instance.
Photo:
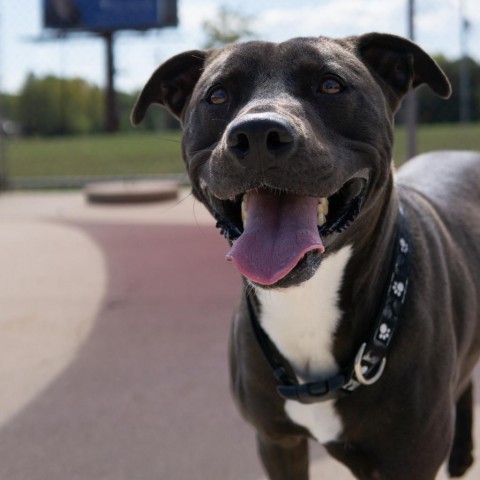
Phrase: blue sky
(437, 31)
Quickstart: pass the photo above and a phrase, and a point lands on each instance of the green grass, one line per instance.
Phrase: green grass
(438, 137)
(122, 154)
(159, 153)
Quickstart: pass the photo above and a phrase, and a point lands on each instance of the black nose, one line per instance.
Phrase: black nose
(265, 136)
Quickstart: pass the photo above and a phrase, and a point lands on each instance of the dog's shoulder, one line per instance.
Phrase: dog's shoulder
(449, 183)
(440, 192)
(447, 178)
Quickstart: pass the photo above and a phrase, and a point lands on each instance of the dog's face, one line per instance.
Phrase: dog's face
(289, 145)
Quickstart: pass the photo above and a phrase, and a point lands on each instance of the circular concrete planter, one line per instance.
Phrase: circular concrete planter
(135, 191)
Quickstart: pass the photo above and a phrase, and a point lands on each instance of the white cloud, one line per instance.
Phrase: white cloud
(437, 31)
(437, 21)
(332, 18)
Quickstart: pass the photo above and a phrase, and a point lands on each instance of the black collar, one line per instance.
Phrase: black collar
(371, 357)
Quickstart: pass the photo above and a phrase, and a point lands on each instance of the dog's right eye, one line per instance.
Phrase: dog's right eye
(330, 85)
(217, 96)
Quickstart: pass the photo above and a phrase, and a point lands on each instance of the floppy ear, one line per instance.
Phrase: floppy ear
(401, 65)
(170, 85)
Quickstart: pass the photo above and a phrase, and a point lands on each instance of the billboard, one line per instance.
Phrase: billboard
(109, 15)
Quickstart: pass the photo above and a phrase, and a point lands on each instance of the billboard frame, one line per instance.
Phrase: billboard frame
(62, 18)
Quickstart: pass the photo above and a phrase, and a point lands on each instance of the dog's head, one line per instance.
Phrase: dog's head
(289, 145)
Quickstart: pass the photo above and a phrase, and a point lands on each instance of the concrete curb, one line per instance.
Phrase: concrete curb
(137, 191)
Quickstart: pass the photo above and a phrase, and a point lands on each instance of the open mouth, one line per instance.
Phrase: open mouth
(278, 237)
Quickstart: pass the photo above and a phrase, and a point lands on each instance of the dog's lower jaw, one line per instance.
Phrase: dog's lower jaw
(306, 268)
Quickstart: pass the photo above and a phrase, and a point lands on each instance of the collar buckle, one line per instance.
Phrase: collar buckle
(362, 370)
(313, 392)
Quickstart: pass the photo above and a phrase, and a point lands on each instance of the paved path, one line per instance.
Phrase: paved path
(114, 326)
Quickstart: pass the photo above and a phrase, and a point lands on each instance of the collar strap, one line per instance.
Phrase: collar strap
(371, 357)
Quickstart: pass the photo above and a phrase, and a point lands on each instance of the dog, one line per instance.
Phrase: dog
(359, 324)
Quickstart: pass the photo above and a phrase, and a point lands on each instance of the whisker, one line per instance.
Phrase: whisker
(176, 203)
(195, 203)
(194, 152)
(249, 288)
(169, 139)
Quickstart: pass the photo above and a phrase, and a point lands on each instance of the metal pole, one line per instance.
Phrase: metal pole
(3, 160)
(464, 69)
(411, 100)
(111, 113)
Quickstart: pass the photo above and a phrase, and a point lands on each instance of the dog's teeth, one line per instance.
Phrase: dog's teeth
(324, 203)
(321, 219)
(244, 211)
(322, 211)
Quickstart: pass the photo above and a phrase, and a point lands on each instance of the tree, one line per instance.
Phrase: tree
(229, 26)
(55, 106)
(433, 109)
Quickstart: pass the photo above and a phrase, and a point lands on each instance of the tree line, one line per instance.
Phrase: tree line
(433, 109)
(49, 106)
(56, 106)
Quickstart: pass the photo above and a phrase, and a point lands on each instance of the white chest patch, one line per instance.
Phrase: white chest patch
(301, 322)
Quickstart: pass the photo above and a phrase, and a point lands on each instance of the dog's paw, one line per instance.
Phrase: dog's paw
(461, 459)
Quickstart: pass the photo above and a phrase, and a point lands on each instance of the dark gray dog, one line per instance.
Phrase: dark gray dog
(360, 323)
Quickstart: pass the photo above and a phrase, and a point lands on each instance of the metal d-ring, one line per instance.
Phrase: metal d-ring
(358, 368)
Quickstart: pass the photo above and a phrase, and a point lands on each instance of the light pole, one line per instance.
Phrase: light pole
(111, 107)
(411, 100)
(465, 113)
(3, 160)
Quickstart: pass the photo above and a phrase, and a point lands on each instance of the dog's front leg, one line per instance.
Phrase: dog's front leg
(461, 457)
(284, 460)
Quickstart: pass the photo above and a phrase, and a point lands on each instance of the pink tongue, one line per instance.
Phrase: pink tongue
(279, 230)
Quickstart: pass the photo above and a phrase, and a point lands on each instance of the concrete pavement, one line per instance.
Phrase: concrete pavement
(114, 327)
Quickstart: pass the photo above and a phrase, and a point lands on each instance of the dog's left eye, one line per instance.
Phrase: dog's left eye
(217, 96)
(331, 86)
